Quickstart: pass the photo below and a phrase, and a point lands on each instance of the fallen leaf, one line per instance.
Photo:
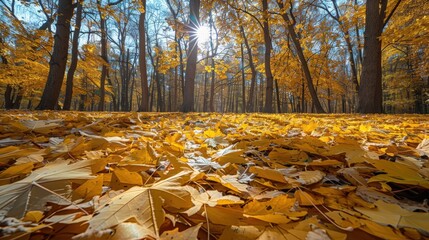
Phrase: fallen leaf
(280, 209)
(394, 215)
(21, 196)
(228, 181)
(269, 174)
(142, 204)
(309, 177)
(190, 233)
(307, 199)
(130, 230)
(33, 216)
(210, 198)
(15, 171)
(397, 173)
(241, 232)
(124, 179)
(89, 189)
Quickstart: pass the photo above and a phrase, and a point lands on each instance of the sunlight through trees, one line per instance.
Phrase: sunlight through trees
(232, 56)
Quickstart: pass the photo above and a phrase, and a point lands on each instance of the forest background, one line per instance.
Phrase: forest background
(224, 56)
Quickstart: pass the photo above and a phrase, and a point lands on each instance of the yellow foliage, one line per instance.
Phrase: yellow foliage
(104, 176)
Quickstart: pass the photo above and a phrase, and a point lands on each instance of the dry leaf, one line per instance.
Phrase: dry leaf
(143, 205)
(21, 196)
(394, 215)
(245, 176)
(190, 233)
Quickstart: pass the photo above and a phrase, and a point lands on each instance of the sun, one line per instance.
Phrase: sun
(203, 34)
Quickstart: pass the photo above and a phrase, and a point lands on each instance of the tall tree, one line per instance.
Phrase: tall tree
(251, 99)
(191, 65)
(57, 64)
(104, 69)
(144, 104)
(212, 63)
(290, 23)
(178, 36)
(267, 57)
(73, 64)
(371, 91)
(338, 17)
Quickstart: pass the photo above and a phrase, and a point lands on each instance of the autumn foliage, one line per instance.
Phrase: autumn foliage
(283, 56)
(213, 176)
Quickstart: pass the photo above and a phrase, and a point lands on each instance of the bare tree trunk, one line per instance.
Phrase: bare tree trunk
(178, 49)
(12, 94)
(243, 80)
(212, 65)
(206, 93)
(261, 90)
(303, 96)
(370, 94)
(251, 99)
(57, 64)
(267, 57)
(73, 64)
(360, 58)
(182, 69)
(279, 106)
(151, 91)
(159, 98)
(13, 97)
(144, 104)
(104, 69)
(191, 65)
(126, 78)
(174, 100)
(329, 101)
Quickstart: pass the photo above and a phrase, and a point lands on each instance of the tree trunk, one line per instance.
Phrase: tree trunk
(191, 65)
(370, 92)
(144, 104)
(206, 93)
(267, 57)
(73, 64)
(18, 98)
(126, 78)
(178, 49)
(243, 81)
(360, 58)
(251, 99)
(174, 100)
(104, 69)
(57, 64)
(329, 101)
(302, 59)
(212, 65)
(182, 69)
(279, 106)
(302, 96)
(151, 91)
(133, 82)
(159, 95)
(9, 96)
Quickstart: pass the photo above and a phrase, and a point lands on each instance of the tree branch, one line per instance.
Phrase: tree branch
(248, 13)
(391, 13)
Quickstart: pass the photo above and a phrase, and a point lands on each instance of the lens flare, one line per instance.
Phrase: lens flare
(203, 34)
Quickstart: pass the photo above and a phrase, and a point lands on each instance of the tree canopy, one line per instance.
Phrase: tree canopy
(223, 56)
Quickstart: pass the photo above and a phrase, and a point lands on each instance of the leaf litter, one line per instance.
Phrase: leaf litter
(213, 176)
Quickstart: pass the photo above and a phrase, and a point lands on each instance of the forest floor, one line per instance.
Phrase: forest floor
(213, 176)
